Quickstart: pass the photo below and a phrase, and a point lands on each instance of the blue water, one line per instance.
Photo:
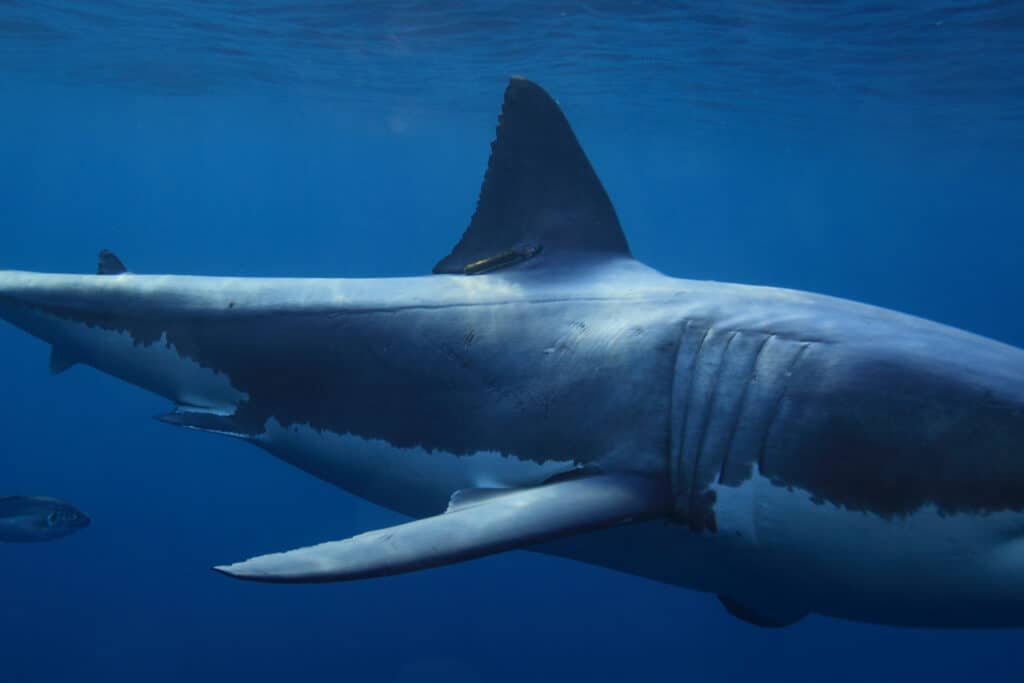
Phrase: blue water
(866, 150)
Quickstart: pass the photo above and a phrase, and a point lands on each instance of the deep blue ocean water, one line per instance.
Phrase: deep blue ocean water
(869, 150)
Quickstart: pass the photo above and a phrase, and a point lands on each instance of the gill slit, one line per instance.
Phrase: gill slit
(742, 406)
(708, 414)
(678, 456)
(774, 415)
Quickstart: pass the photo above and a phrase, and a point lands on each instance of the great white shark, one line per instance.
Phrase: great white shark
(788, 452)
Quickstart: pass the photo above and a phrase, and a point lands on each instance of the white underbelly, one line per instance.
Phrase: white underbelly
(925, 568)
(413, 481)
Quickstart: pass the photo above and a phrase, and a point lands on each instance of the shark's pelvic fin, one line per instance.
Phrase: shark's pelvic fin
(109, 264)
(490, 524)
(765, 618)
(539, 192)
(61, 359)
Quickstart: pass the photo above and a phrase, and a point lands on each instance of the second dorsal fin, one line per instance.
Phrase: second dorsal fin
(109, 264)
(539, 192)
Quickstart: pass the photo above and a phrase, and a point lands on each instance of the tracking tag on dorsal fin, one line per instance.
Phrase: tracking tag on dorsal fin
(109, 264)
(539, 192)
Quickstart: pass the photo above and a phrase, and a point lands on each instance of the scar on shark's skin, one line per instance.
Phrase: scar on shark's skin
(785, 451)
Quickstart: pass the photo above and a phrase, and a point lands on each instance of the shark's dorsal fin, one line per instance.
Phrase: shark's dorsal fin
(109, 264)
(539, 192)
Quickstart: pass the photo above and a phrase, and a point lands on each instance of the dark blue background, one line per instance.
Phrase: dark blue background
(879, 200)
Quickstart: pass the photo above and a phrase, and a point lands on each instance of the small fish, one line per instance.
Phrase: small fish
(24, 519)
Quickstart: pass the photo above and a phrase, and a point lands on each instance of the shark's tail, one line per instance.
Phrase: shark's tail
(107, 321)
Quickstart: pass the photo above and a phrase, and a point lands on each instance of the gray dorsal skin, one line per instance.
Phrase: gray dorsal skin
(797, 453)
(539, 191)
(515, 519)
(109, 264)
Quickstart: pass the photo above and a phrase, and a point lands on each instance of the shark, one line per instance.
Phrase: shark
(542, 389)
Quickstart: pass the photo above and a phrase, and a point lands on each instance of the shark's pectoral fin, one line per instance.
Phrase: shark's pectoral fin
(473, 528)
